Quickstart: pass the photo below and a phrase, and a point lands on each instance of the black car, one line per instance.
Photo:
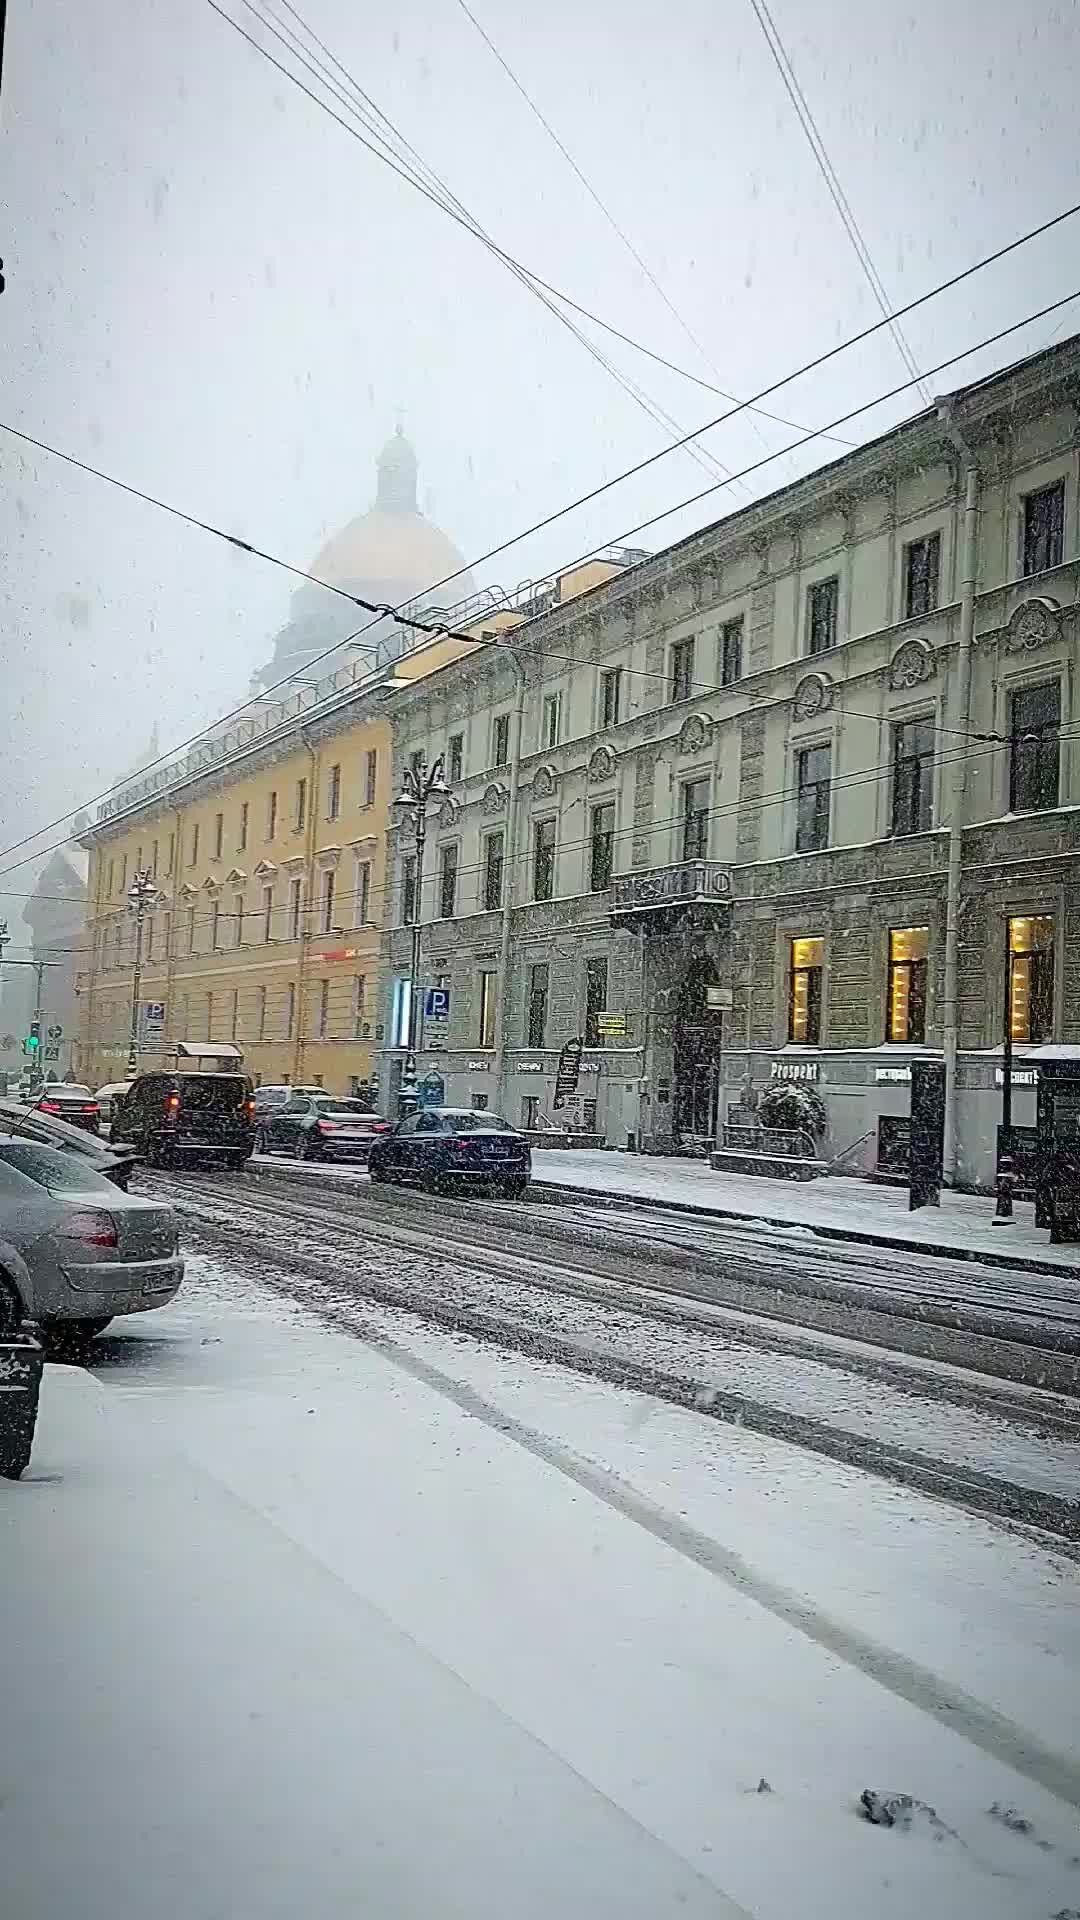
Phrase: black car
(321, 1126)
(77, 1105)
(172, 1116)
(453, 1148)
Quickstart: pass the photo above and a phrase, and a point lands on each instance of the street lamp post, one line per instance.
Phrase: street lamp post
(142, 898)
(419, 784)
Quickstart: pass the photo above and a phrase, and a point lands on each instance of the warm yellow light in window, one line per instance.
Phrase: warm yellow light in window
(1031, 933)
(909, 943)
(807, 953)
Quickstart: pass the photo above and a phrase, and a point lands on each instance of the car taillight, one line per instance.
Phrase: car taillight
(384, 1126)
(173, 1103)
(91, 1108)
(327, 1126)
(91, 1229)
(249, 1109)
(49, 1106)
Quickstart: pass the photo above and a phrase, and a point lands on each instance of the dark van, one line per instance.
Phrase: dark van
(171, 1116)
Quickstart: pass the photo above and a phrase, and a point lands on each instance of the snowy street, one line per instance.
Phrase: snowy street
(317, 1602)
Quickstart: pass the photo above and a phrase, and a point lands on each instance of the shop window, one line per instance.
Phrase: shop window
(804, 998)
(906, 1017)
(1031, 978)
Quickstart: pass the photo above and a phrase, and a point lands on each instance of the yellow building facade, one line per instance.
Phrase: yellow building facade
(271, 883)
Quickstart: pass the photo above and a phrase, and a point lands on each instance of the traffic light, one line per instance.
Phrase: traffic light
(33, 1038)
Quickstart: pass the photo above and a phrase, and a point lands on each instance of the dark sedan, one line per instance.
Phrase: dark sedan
(320, 1126)
(444, 1149)
(76, 1105)
(31, 1123)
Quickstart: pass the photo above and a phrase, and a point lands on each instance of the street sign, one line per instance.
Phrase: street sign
(54, 1033)
(151, 1024)
(567, 1072)
(51, 1053)
(437, 1003)
(719, 999)
(611, 1025)
(431, 1091)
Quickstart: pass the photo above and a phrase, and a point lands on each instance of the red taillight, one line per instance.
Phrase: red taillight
(249, 1109)
(49, 1106)
(384, 1126)
(91, 1229)
(173, 1103)
(90, 1109)
(327, 1126)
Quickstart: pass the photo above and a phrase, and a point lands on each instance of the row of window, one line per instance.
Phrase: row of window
(1042, 546)
(1031, 984)
(118, 868)
(1034, 780)
(236, 926)
(272, 1013)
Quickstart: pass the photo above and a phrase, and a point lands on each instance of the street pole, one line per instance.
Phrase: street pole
(419, 784)
(969, 571)
(142, 895)
(502, 1002)
(39, 998)
(1003, 1206)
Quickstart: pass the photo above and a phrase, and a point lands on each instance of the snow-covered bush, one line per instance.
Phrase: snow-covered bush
(792, 1106)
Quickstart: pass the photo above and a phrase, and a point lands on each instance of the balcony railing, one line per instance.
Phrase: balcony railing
(688, 883)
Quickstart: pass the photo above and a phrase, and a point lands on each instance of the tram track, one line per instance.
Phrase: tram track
(342, 1255)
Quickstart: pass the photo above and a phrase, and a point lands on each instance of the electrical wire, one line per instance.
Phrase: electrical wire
(829, 174)
(444, 631)
(448, 201)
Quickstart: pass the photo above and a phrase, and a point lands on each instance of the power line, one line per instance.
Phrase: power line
(445, 631)
(871, 775)
(829, 175)
(618, 230)
(447, 201)
(398, 164)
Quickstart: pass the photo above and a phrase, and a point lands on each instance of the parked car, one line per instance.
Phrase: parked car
(270, 1098)
(448, 1148)
(108, 1096)
(173, 1116)
(321, 1126)
(77, 1105)
(75, 1250)
(30, 1123)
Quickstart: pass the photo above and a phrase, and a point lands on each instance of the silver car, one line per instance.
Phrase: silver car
(74, 1249)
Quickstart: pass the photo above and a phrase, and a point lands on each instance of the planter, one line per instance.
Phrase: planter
(22, 1359)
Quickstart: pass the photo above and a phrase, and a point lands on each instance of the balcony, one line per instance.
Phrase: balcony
(665, 890)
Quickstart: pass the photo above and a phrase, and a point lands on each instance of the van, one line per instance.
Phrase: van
(172, 1116)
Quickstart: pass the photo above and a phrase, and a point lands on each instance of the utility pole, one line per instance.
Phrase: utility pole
(969, 571)
(142, 898)
(502, 1002)
(419, 784)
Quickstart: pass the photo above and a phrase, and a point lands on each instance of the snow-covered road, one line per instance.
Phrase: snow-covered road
(388, 1621)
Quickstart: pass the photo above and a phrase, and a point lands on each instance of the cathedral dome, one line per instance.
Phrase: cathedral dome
(388, 555)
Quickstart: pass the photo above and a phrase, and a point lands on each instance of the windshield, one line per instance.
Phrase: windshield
(60, 1172)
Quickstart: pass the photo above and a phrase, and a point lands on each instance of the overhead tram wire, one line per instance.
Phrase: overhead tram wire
(436, 194)
(449, 202)
(829, 174)
(640, 262)
(443, 631)
(871, 775)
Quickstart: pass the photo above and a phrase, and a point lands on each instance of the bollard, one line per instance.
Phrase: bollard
(1006, 1181)
(22, 1359)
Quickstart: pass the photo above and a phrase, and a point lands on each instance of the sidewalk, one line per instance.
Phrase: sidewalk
(834, 1207)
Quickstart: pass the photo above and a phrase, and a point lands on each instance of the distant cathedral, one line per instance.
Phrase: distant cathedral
(388, 555)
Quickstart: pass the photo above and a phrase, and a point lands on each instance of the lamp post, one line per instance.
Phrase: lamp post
(419, 784)
(142, 898)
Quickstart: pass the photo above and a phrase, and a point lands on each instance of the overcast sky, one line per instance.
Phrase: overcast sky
(218, 295)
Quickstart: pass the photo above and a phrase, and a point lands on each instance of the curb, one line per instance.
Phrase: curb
(1013, 1263)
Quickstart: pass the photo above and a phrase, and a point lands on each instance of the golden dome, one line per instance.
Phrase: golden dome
(392, 547)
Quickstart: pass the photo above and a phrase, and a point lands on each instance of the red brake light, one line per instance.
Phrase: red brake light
(249, 1108)
(49, 1106)
(91, 1229)
(91, 1107)
(173, 1103)
(327, 1126)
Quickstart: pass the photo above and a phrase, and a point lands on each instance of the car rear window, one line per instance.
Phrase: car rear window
(479, 1123)
(57, 1171)
(211, 1090)
(354, 1109)
(67, 1093)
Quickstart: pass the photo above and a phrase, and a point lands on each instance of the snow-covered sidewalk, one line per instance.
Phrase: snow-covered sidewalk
(294, 1622)
(844, 1207)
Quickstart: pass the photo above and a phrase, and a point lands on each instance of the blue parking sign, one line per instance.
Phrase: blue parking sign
(437, 1003)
